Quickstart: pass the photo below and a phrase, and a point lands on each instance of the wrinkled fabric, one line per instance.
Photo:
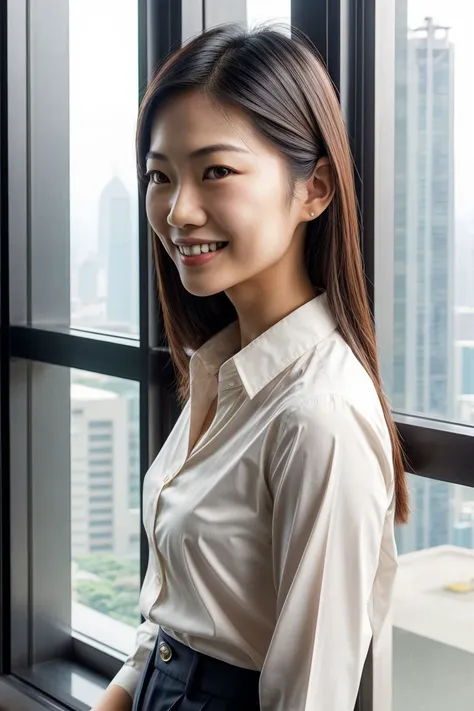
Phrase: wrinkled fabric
(272, 540)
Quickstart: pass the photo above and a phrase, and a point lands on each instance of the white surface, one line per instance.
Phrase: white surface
(424, 607)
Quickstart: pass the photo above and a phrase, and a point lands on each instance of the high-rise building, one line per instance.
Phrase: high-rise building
(423, 359)
(100, 516)
(400, 308)
(88, 280)
(116, 241)
(424, 220)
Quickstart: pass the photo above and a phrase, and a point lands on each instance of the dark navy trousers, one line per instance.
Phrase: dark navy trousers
(176, 678)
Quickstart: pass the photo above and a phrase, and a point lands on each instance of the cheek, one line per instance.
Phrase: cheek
(155, 214)
(261, 229)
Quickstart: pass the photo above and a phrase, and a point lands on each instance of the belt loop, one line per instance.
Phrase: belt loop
(192, 676)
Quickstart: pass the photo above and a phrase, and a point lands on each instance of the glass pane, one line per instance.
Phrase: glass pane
(432, 360)
(249, 12)
(259, 11)
(105, 515)
(103, 56)
(434, 600)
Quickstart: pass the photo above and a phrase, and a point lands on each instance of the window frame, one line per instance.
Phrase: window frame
(26, 348)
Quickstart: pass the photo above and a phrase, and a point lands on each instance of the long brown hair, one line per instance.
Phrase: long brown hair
(289, 98)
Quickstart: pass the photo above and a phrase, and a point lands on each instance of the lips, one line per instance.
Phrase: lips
(201, 258)
(201, 248)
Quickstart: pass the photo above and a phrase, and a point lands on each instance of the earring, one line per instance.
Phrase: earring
(311, 214)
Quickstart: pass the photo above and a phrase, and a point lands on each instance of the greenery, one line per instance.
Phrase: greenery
(115, 591)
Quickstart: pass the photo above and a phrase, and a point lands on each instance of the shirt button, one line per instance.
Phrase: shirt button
(231, 384)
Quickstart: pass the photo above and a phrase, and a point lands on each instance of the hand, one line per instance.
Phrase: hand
(115, 698)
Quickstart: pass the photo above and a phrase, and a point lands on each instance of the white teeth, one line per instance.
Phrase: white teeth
(195, 249)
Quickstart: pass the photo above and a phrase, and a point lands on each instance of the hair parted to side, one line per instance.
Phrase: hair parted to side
(286, 93)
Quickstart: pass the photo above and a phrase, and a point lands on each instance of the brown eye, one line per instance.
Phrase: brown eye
(218, 171)
(156, 177)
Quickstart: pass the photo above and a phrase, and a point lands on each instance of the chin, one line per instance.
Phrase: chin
(202, 289)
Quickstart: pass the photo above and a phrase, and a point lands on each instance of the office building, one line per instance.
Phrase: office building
(100, 520)
(116, 254)
(423, 365)
(424, 220)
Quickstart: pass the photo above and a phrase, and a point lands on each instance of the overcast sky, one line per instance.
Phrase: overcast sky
(103, 71)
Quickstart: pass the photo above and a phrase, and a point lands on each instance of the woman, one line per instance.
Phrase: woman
(270, 509)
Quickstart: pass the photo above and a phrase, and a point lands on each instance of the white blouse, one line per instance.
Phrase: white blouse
(272, 544)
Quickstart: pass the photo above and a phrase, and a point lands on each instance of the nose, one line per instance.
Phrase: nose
(186, 210)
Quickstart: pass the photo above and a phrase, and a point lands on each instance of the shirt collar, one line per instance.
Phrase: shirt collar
(269, 354)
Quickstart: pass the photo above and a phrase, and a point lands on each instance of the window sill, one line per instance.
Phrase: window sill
(55, 685)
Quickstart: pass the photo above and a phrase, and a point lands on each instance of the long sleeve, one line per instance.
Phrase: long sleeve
(332, 484)
(128, 676)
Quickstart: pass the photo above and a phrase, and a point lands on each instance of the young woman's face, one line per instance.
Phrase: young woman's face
(214, 181)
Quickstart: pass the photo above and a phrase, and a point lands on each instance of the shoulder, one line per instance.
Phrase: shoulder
(328, 386)
(328, 433)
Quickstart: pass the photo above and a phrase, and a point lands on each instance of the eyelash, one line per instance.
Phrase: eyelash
(151, 173)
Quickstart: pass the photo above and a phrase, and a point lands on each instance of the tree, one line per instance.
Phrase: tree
(116, 592)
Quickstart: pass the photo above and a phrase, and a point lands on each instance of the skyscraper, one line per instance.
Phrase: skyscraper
(100, 516)
(400, 309)
(423, 253)
(424, 220)
(116, 254)
(88, 280)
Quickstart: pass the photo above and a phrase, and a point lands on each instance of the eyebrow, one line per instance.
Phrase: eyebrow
(204, 151)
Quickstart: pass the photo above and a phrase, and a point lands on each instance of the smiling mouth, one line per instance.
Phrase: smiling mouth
(196, 249)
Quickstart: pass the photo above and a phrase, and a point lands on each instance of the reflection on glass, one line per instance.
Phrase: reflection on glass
(105, 513)
(432, 372)
(103, 198)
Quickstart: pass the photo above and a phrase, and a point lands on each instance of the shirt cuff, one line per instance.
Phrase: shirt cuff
(128, 678)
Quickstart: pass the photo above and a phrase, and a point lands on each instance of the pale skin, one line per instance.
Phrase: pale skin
(239, 196)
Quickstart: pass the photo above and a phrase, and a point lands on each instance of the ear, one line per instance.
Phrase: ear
(320, 190)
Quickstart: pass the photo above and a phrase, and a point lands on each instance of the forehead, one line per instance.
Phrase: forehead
(192, 120)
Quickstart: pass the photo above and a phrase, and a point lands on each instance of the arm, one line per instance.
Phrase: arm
(332, 484)
(119, 694)
(115, 698)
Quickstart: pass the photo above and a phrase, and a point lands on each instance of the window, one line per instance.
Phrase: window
(100, 499)
(100, 450)
(423, 301)
(432, 255)
(99, 438)
(103, 195)
(259, 12)
(100, 424)
(80, 328)
(75, 410)
(249, 12)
